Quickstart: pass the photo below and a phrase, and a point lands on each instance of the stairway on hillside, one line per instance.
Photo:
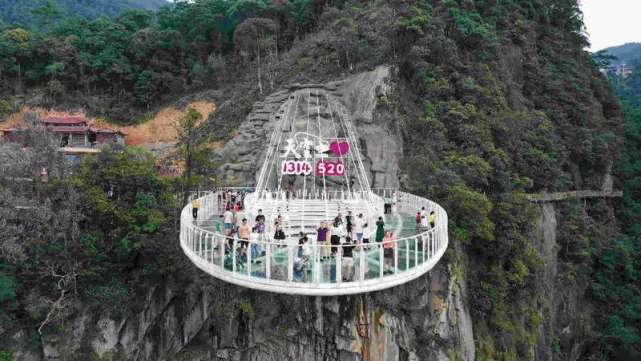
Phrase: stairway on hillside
(306, 215)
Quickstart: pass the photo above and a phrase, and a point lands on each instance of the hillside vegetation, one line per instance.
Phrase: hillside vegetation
(629, 53)
(45, 13)
(121, 67)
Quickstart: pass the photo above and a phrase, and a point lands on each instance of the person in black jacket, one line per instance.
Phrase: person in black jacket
(348, 259)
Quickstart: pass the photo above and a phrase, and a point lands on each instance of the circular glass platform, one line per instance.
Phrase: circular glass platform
(313, 225)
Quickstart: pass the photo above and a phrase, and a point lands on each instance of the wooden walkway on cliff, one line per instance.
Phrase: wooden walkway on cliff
(562, 196)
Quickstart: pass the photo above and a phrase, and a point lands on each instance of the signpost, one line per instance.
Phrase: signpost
(298, 156)
(296, 167)
(327, 168)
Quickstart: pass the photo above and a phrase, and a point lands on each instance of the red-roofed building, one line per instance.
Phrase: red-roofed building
(64, 120)
(74, 131)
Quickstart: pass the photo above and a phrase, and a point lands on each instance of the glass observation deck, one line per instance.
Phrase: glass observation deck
(312, 175)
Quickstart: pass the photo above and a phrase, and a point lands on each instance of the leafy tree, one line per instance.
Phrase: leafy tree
(616, 278)
(298, 12)
(602, 59)
(193, 151)
(17, 47)
(256, 36)
(132, 60)
(47, 13)
(346, 36)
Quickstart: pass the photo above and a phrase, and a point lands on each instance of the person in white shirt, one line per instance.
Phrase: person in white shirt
(424, 221)
(335, 238)
(228, 220)
(366, 233)
(387, 204)
(240, 215)
(342, 232)
(358, 227)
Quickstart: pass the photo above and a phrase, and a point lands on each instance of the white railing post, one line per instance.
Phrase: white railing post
(290, 263)
(205, 247)
(233, 255)
(416, 252)
(395, 249)
(211, 248)
(381, 261)
(423, 246)
(407, 254)
(268, 261)
(339, 264)
(428, 241)
(317, 263)
(435, 245)
(222, 245)
(362, 264)
(249, 258)
(432, 244)
(187, 238)
(191, 239)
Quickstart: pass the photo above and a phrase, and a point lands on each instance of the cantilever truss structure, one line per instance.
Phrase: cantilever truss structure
(313, 171)
(313, 162)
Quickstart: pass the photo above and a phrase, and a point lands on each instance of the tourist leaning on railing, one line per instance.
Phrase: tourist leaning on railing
(432, 219)
(228, 219)
(244, 232)
(195, 205)
(380, 230)
(424, 219)
(218, 225)
(279, 234)
(358, 227)
(388, 250)
(256, 249)
(301, 260)
(324, 235)
(366, 233)
(335, 238)
(348, 259)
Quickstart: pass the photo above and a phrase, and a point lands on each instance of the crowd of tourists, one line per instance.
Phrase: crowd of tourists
(340, 237)
(343, 237)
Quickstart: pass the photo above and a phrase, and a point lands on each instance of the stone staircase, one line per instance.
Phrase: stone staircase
(306, 215)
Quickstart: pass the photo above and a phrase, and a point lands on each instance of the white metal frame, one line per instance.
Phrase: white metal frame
(433, 243)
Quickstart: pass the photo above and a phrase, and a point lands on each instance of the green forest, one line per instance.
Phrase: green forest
(105, 230)
(47, 13)
(617, 271)
(140, 59)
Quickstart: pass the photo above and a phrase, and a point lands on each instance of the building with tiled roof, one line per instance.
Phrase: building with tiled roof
(73, 132)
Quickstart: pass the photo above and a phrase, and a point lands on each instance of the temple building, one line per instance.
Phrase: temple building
(73, 132)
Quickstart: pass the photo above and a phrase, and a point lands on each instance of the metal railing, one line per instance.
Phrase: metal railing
(312, 269)
(341, 194)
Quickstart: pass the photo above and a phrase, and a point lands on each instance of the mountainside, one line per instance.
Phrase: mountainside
(41, 12)
(478, 105)
(629, 53)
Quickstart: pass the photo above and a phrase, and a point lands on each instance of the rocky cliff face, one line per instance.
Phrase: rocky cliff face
(427, 319)
(209, 320)
(379, 137)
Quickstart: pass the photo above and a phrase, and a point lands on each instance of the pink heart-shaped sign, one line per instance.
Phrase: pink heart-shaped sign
(339, 148)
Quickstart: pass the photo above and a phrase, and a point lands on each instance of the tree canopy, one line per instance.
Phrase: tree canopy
(140, 58)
